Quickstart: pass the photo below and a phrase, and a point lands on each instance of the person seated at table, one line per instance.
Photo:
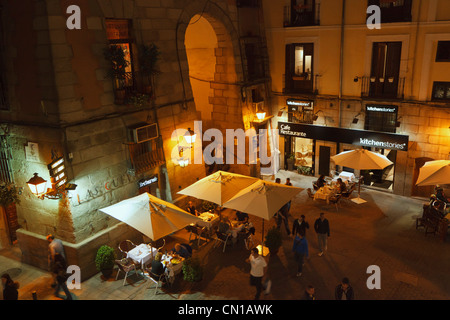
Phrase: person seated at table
(157, 267)
(242, 216)
(224, 225)
(319, 183)
(341, 186)
(440, 195)
(191, 209)
(181, 250)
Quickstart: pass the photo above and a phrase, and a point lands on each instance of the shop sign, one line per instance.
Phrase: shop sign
(381, 108)
(365, 138)
(148, 181)
(300, 104)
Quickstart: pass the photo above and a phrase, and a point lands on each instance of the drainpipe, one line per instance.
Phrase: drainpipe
(341, 63)
(341, 73)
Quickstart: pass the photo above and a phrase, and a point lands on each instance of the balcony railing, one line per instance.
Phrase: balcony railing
(146, 155)
(302, 16)
(302, 84)
(134, 84)
(382, 88)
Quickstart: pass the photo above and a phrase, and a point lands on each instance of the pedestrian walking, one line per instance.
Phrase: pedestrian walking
(310, 293)
(54, 246)
(344, 290)
(282, 218)
(10, 288)
(300, 225)
(257, 271)
(300, 249)
(322, 228)
(60, 272)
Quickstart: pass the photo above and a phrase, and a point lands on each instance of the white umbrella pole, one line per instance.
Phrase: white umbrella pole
(359, 200)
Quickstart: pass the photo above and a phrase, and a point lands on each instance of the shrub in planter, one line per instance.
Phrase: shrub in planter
(192, 270)
(209, 206)
(104, 261)
(273, 240)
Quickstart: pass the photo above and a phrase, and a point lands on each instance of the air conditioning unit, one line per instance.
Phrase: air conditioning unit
(144, 132)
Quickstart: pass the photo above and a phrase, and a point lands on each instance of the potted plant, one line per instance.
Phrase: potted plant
(192, 270)
(115, 55)
(9, 193)
(138, 99)
(148, 58)
(291, 162)
(273, 240)
(209, 206)
(104, 261)
(307, 171)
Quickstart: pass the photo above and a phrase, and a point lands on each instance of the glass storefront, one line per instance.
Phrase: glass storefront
(303, 151)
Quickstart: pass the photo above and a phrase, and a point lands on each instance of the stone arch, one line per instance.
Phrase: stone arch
(225, 98)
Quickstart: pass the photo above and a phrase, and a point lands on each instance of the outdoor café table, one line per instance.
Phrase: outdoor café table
(324, 193)
(209, 220)
(142, 254)
(172, 269)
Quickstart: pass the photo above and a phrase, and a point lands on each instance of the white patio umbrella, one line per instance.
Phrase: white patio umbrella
(262, 199)
(218, 187)
(361, 159)
(150, 215)
(434, 172)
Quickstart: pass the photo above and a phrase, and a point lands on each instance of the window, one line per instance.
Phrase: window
(443, 51)
(299, 67)
(301, 13)
(441, 91)
(118, 34)
(247, 3)
(393, 10)
(254, 58)
(384, 76)
(3, 98)
(381, 118)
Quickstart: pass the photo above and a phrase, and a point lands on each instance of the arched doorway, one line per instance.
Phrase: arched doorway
(213, 76)
(201, 43)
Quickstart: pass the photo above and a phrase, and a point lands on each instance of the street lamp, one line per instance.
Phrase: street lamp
(190, 136)
(37, 185)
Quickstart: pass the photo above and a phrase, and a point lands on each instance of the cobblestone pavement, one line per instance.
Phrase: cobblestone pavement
(380, 232)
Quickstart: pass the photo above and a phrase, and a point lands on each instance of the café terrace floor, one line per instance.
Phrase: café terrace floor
(380, 232)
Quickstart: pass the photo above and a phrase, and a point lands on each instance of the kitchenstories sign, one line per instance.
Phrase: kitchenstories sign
(363, 138)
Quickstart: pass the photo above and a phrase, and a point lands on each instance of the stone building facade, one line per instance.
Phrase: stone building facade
(56, 95)
(346, 60)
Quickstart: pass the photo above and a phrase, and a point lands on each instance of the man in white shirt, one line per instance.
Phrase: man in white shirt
(257, 270)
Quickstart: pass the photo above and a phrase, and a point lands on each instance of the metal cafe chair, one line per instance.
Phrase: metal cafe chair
(157, 279)
(126, 266)
(198, 233)
(126, 246)
(223, 238)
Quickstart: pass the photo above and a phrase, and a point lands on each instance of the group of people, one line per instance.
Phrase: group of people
(340, 186)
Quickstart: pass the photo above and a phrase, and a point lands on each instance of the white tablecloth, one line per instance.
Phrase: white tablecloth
(324, 193)
(209, 220)
(171, 269)
(347, 176)
(142, 254)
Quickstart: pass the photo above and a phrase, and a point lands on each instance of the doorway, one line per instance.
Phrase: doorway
(212, 72)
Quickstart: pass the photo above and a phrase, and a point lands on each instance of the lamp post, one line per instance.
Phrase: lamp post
(37, 185)
(190, 136)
